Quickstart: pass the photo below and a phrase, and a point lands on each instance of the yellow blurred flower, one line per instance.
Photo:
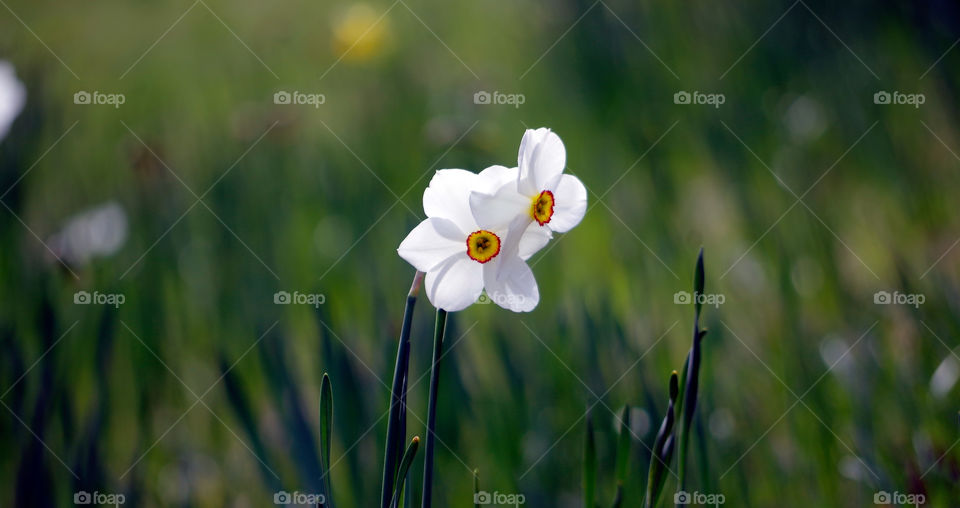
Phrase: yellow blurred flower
(359, 33)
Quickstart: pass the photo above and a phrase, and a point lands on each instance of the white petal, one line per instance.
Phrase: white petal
(430, 243)
(448, 196)
(570, 203)
(495, 176)
(511, 237)
(527, 145)
(542, 157)
(516, 290)
(498, 209)
(534, 238)
(455, 284)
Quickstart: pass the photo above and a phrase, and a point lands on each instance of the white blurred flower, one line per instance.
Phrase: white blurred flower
(461, 259)
(945, 377)
(13, 95)
(537, 195)
(97, 232)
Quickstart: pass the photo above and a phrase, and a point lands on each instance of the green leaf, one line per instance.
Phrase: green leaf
(698, 283)
(476, 488)
(401, 479)
(623, 446)
(662, 449)
(682, 385)
(326, 430)
(618, 496)
(589, 465)
(691, 384)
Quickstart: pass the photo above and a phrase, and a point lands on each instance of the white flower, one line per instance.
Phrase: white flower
(462, 259)
(539, 197)
(13, 95)
(97, 232)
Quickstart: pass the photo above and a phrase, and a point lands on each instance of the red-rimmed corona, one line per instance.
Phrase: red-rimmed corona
(483, 245)
(542, 209)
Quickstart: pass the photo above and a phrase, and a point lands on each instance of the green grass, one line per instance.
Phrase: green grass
(312, 207)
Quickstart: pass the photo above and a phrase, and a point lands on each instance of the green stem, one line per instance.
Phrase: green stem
(432, 408)
(395, 439)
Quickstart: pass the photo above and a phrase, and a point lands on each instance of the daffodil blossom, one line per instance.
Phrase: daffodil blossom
(461, 259)
(539, 197)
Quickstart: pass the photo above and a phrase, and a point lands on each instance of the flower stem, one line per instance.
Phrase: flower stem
(395, 425)
(432, 408)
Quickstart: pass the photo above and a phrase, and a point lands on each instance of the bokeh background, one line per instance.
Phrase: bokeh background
(199, 198)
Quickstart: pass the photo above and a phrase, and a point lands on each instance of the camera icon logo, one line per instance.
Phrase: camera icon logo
(882, 298)
(882, 497)
(282, 497)
(482, 497)
(681, 497)
(881, 97)
(81, 97)
(82, 497)
(281, 97)
(682, 298)
(681, 97)
(81, 298)
(281, 298)
(482, 97)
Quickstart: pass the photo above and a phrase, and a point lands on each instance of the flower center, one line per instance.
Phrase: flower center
(482, 246)
(542, 209)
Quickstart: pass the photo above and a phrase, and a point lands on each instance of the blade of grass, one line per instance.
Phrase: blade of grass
(441, 326)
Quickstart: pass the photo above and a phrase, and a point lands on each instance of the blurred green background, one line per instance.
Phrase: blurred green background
(199, 198)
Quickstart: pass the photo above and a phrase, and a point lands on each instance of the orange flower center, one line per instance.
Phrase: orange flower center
(542, 209)
(482, 246)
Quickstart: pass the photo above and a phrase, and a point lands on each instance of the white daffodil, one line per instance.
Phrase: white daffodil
(461, 259)
(539, 198)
